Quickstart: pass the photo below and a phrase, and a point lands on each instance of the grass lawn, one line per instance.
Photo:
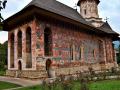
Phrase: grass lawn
(105, 85)
(76, 86)
(100, 85)
(6, 85)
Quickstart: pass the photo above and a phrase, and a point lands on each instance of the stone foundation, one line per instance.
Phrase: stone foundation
(38, 74)
(27, 74)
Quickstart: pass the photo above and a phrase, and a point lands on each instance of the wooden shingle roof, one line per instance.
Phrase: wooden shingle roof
(107, 28)
(58, 8)
(65, 11)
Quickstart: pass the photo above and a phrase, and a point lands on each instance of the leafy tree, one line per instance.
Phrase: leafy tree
(3, 55)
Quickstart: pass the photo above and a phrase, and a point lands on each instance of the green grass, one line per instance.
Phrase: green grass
(31, 88)
(99, 85)
(59, 86)
(6, 85)
(105, 85)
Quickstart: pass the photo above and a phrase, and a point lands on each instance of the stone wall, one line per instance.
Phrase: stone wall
(40, 74)
(28, 74)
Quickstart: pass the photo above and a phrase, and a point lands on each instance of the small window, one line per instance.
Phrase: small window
(85, 12)
(94, 54)
(71, 52)
(80, 53)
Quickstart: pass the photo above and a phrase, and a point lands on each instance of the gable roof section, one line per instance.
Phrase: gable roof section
(62, 10)
(58, 8)
(107, 28)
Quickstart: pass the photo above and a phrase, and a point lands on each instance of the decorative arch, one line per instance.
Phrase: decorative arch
(28, 48)
(12, 51)
(47, 42)
(19, 35)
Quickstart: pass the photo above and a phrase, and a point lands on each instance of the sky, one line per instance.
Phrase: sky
(107, 8)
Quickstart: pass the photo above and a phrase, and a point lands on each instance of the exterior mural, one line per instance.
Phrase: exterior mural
(44, 45)
(68, 46)
(85, 48)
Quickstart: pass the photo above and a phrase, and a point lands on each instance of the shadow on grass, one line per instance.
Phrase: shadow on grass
(6, 85)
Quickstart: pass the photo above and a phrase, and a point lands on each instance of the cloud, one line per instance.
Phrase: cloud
(14, 6)
(111, 10)
(3, 36)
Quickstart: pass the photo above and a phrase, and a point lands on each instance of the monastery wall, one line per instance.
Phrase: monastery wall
(72, 50)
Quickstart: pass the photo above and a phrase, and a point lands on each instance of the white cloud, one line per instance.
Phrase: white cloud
(3, 37)
(111, 10)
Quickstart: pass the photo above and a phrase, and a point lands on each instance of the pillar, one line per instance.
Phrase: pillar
(16, 48)
(9, 43)
(24, 48)
(33, 42)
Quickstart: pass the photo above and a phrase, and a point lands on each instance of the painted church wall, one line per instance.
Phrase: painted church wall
(86, 48)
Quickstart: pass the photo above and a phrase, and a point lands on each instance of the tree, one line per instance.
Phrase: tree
(3, 55)
(2, 6)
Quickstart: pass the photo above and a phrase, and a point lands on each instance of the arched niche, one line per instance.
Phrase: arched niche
(47, 42)
(19, 35)
(28, 48)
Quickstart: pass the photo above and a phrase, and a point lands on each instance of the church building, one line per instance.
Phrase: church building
(47, 38)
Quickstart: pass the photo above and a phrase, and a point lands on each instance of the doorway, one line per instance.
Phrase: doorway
(48, 67)
(19, 66)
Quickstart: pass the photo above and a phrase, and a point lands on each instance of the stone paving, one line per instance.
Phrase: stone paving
(22, 82)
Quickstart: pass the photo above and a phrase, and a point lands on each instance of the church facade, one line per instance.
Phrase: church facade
(50, 37)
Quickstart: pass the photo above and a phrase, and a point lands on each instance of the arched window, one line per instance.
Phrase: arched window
(80, 53)
(28, 48)
(101, 50)
(12, 51)
(94, 54)
(47, 42)
(77, 52)
(71, 52)
(19, 44)
(85, 12)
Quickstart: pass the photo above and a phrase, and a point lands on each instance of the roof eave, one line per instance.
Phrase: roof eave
(72, 21)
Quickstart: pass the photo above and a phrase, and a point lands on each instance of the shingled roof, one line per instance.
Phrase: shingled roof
(107, 28)
(66, 11)
(58, 8)
(62, 10)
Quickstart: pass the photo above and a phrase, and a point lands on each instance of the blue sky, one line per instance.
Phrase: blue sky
(107, 8)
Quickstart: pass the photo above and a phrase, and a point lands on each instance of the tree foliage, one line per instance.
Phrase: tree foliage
(3, 55)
